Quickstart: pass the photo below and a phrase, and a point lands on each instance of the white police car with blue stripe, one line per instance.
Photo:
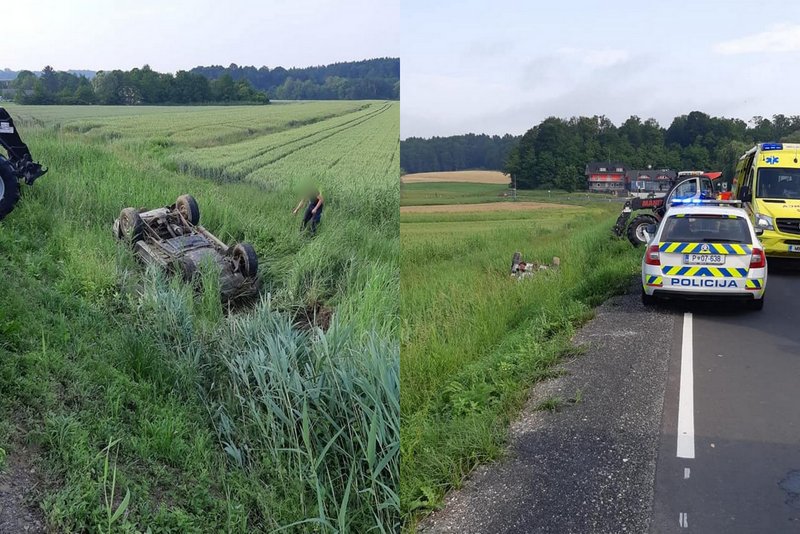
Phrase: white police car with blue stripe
(705, 250)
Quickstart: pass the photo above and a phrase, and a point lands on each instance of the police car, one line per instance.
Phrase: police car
(705, 249)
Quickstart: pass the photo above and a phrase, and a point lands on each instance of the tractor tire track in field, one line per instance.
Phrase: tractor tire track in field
(337, 127)
(225, 174)
(259, 153)
(258, 132)
(316, 141)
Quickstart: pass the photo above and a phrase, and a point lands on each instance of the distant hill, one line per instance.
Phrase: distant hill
(8, 74)
(352, 80)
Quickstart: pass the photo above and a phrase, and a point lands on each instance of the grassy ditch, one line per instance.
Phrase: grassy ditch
(473, 340)
(113, 377)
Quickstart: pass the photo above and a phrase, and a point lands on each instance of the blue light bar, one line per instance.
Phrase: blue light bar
(705, 201)
(771, 146)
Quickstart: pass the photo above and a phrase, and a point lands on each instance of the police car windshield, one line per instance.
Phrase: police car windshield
(778, 183)
(706, 229)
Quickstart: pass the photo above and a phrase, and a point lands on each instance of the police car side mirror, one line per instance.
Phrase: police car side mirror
(759, 231)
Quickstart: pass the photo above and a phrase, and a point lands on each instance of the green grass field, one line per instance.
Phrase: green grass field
(438, 193)
(219, 422)
(473, 340)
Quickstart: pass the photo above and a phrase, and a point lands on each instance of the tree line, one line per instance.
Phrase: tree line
(352, 80)
(554, 153)
(136, 86)
(455, 153)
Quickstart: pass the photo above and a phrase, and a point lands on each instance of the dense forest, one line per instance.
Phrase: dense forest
(554, 153)
(353, 80)
(136, 86)
(455, 153)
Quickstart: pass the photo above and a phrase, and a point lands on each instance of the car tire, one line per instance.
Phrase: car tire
(636, 229)
(188, 269)
(756, 304)
(9, 189)
(648, 300)
(515, 261)
(245, 260)
(187, 206)
(131, 226)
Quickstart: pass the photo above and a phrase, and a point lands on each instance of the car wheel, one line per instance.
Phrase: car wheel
(648, 300)
(188, 268)
(131, 225)
(188, 208)
(9, 189)
(636, 229)
(245, 260)
(756, 304)
(515, 261)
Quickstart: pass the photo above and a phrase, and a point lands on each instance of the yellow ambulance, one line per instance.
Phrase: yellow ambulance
(767, 182)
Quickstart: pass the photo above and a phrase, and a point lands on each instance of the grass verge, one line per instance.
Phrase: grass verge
(474, 341)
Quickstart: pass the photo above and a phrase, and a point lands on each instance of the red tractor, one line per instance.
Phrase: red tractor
(638, 213)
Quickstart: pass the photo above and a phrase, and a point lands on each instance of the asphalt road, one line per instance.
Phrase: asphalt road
(610, 463)
(745, 473)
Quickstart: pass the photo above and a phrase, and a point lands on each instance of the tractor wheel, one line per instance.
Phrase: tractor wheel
(187, 206)
(9, 189)
(245, 260)
(131, 226)
(636, 229)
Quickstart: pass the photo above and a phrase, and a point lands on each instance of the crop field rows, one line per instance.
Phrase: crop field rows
(236, 161)
(190, 126)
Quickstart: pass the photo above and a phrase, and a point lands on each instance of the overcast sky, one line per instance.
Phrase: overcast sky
(503, 66)
(170, 35)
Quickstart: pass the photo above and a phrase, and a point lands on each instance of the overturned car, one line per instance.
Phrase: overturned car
(172, 238)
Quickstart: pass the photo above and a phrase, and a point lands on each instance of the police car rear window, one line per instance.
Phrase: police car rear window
(706, 229)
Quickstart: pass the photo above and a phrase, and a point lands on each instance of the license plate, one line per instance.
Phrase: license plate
(703, 259)
(794, 248)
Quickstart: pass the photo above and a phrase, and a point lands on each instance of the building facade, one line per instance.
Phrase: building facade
(605, 177)
(657, 181)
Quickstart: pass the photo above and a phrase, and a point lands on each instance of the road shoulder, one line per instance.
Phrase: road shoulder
(588, 466)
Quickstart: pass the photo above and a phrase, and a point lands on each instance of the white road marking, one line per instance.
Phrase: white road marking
(683, 520)
(686, 399)
(686, 473)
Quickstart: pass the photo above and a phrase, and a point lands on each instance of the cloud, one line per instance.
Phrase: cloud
(595, 59)
(487, 49)
(548, 75)
(779, 38)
